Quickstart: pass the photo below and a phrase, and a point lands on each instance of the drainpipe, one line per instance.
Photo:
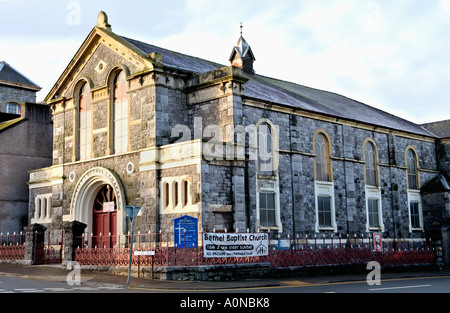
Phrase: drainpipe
(63, 154)
(390, 160)
(292, 176)
(345, 178)
(247, 192)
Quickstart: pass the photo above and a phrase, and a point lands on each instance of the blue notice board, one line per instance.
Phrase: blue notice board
(186, 232)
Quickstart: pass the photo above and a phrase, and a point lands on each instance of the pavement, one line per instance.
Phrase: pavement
(57, 273)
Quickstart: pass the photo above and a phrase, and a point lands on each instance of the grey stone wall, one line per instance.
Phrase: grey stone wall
(443, 148)
(296, 173)
(24, 147)
(18, 95)
(217, 192)
(192, 174)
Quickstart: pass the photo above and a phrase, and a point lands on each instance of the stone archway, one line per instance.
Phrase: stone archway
(86, 191)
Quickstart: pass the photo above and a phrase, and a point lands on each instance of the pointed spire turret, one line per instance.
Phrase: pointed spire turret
(242, 55)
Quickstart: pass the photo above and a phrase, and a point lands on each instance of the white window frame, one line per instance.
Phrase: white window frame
(374, 193)
(325, 189)
(171, 208)
(268, 183)
(269, 186)
(414, 196)
(42, 209)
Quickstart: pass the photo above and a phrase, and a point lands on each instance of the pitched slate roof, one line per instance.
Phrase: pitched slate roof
(290, 94)
(12, 77)
(440, 183)
(440, 129)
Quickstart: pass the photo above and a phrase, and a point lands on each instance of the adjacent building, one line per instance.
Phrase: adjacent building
(25, 144)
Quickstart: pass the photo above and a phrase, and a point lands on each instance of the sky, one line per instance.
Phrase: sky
(392, 55)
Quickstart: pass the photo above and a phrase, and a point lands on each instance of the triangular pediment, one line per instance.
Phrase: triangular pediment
(89, 52)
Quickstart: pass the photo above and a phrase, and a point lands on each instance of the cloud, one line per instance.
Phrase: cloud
(38, 62)
(389, 54)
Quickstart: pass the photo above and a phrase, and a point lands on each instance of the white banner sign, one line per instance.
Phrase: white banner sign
(229, 245)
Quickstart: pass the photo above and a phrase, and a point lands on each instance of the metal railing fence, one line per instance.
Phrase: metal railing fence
(114, 251)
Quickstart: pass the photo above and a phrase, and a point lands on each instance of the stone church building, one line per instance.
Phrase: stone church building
(136, 124)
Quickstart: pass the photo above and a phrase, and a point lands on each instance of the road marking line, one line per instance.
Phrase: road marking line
(84, 288)
(295, 283)
(29, 290)
(401, 287)
(56, 289)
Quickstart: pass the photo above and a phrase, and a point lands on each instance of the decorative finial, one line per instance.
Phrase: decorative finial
(241, 28)
(102, 21)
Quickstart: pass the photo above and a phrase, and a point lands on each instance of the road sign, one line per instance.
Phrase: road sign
(186, 232)
(132, 211)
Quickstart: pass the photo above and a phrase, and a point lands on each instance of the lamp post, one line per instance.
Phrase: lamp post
(132, 212)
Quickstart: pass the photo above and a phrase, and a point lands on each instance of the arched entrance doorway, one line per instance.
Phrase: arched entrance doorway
(93, 186)
(104, 219)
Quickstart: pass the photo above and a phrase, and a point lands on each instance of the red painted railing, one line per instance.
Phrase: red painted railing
(303, 252)
(12, 246)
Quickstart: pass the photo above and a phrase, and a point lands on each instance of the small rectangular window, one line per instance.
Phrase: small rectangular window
(415, 215)
(267, 209)
(324, 211)
(374, 215)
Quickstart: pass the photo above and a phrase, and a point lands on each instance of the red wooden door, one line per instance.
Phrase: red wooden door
(105, 219)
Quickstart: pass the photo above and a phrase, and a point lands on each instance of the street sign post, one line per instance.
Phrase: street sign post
(132, 212)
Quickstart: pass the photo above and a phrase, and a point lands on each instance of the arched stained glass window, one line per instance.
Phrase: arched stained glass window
(85, 121)
(266, 164)
(411, 163)
(371, 164)
(120, 113)
(323, 158)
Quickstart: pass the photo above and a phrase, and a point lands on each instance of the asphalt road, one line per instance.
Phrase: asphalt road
(9, 285)
(276, 298)
(419, 284)
(435, 284)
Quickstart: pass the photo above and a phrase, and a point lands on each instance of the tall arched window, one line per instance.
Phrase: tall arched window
(413, 192)
(120, 113)
(370, 156)
(324, 186)
(411, 163)
(84, 122)
(265, 150)
(323, 158)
